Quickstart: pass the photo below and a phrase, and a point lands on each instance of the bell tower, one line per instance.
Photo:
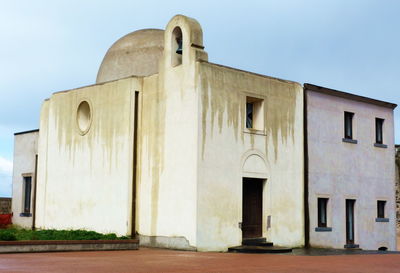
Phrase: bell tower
(183, 42)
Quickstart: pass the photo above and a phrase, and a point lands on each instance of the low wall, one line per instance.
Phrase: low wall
(76, 245)
(5, 220)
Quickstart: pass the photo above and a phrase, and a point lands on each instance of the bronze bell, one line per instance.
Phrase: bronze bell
(179, 50)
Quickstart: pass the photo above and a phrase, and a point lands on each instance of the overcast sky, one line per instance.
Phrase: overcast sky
(48, 46)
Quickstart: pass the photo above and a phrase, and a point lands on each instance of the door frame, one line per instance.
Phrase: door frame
(262, 181)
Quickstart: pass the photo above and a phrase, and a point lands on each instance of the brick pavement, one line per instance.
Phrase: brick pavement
(159, 260)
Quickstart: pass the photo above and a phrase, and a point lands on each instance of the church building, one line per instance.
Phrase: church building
(187, 154)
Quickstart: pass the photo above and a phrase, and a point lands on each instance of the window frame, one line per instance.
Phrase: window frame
(322, 203)
(381, 204)
(257, 114)
(348, 125)
(379, 130)
(26, 204)
(323, 212)
(381, 215)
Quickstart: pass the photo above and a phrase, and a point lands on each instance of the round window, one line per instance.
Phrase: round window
(84, 117)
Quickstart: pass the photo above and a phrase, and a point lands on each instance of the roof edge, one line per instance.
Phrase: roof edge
(345, 95)
(249, 72)
(26, 132)
(101, 83)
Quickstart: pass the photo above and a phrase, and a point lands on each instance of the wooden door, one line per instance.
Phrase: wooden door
(350, 221)
(252, 208)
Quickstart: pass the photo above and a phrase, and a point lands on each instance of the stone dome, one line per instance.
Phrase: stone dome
(137, 53)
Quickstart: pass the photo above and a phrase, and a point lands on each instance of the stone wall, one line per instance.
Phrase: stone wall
(398, 184)
(5, 205)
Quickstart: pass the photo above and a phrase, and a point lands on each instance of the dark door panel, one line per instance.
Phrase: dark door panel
(252, 208)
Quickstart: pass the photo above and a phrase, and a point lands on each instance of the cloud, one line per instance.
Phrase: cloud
(6, 166)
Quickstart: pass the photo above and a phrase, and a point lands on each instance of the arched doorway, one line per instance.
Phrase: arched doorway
(254, 178)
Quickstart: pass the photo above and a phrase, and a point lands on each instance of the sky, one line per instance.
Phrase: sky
(49, 46)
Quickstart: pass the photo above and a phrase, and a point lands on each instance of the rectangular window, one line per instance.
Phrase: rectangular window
(381, 209)
(27, 194)
(254, 113)
(348, 125)
(249, 115)
(322, 209)
(379, 130)
(350, 221)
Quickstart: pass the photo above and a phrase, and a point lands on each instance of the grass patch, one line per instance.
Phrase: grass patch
(21, 234)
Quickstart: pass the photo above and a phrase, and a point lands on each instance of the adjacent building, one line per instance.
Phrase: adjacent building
(24, 177)
(351, 170)
(187, 154)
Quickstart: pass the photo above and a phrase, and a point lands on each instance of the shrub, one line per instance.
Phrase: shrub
(7, 235)
(16, 233)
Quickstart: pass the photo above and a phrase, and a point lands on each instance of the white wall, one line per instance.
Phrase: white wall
(169, 140)
(340, 171)
(85, 181)
(25, 150)
(225, 144)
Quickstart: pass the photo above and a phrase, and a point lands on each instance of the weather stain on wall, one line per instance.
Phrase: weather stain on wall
(223, 100)
(152, 128)
(109, 105)
(95, 159)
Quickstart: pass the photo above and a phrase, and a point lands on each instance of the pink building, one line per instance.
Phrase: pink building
(351, 170)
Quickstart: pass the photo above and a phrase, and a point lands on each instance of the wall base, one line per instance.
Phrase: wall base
(75, 245)
(179, 243)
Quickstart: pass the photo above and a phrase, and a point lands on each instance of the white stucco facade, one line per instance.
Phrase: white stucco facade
(84, 179)
(228, 152)
(340, 170)
(25, 151)
(185, 127)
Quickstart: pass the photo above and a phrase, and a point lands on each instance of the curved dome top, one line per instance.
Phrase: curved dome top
(137, 53)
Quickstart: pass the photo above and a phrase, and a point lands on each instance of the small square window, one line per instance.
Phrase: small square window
(379, 130)
(322, 212)
(254, 113)
(348, 125)
(381, 209)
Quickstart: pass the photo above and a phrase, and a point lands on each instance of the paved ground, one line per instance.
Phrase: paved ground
(156, 260)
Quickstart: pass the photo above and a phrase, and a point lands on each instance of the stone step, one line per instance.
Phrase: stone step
(261, 241)
(258, 249)
(266, 244)
(352, 247)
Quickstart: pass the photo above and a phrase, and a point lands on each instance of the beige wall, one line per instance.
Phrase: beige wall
(339, 171)
(167, 184)
(168, 144)
(85, 181)
(228, 152)
(25, 150)
(190, 116)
